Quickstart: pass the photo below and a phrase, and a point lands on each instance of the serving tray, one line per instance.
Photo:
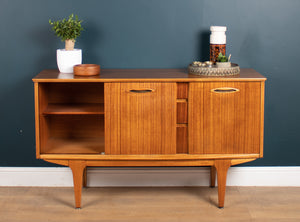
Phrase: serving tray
(214, 70)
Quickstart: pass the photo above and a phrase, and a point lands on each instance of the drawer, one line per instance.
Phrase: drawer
(182, 90)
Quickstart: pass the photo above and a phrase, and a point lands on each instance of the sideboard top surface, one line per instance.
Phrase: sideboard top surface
(151, 75)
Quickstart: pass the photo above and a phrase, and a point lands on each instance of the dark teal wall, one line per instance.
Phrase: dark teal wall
(262, 34)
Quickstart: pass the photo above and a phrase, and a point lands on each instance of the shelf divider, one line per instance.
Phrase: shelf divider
(74, 109)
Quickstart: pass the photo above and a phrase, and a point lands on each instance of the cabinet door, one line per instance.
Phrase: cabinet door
(225, 117)
(140, 118)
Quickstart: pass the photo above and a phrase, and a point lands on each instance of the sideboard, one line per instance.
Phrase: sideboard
(149, 117)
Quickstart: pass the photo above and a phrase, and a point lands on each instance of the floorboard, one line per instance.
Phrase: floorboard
(153, 204)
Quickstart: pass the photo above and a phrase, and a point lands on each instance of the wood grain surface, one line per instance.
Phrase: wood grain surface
(144, 75)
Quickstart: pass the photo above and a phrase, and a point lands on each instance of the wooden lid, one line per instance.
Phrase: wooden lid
(87, 70)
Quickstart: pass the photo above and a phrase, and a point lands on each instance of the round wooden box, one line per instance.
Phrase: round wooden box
(86, 70)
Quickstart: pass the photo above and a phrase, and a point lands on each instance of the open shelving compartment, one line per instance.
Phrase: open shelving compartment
(71, 118)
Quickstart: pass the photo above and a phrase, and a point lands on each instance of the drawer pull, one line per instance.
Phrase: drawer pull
(225, 90)
(141, 90)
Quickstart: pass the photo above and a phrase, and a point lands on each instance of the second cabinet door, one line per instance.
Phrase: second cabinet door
(140, 118)
(225, 118)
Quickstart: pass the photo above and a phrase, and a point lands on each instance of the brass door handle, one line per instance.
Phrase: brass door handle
(225, 90)
(141, 90)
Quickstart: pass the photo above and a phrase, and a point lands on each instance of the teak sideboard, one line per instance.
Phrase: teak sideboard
(149, 117)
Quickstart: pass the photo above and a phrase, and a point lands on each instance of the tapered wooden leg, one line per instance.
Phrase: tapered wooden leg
(212, 176)
(77, 167)
(222, 168)
(84, 178)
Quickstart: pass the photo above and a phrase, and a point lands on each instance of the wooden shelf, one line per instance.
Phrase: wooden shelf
(182, 125)
(181, 100)
(74, 146)
(74, 108)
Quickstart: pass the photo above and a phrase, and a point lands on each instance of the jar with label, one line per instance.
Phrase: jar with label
(217, 42)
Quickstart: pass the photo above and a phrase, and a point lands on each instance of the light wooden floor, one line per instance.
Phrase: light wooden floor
(150, 204)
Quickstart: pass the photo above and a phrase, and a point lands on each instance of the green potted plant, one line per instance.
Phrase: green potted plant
(67, 29)
(223, 61)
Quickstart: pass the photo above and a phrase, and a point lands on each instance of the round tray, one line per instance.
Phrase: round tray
(214, 70)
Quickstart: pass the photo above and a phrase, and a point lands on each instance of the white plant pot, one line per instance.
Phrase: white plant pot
(67, 59)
